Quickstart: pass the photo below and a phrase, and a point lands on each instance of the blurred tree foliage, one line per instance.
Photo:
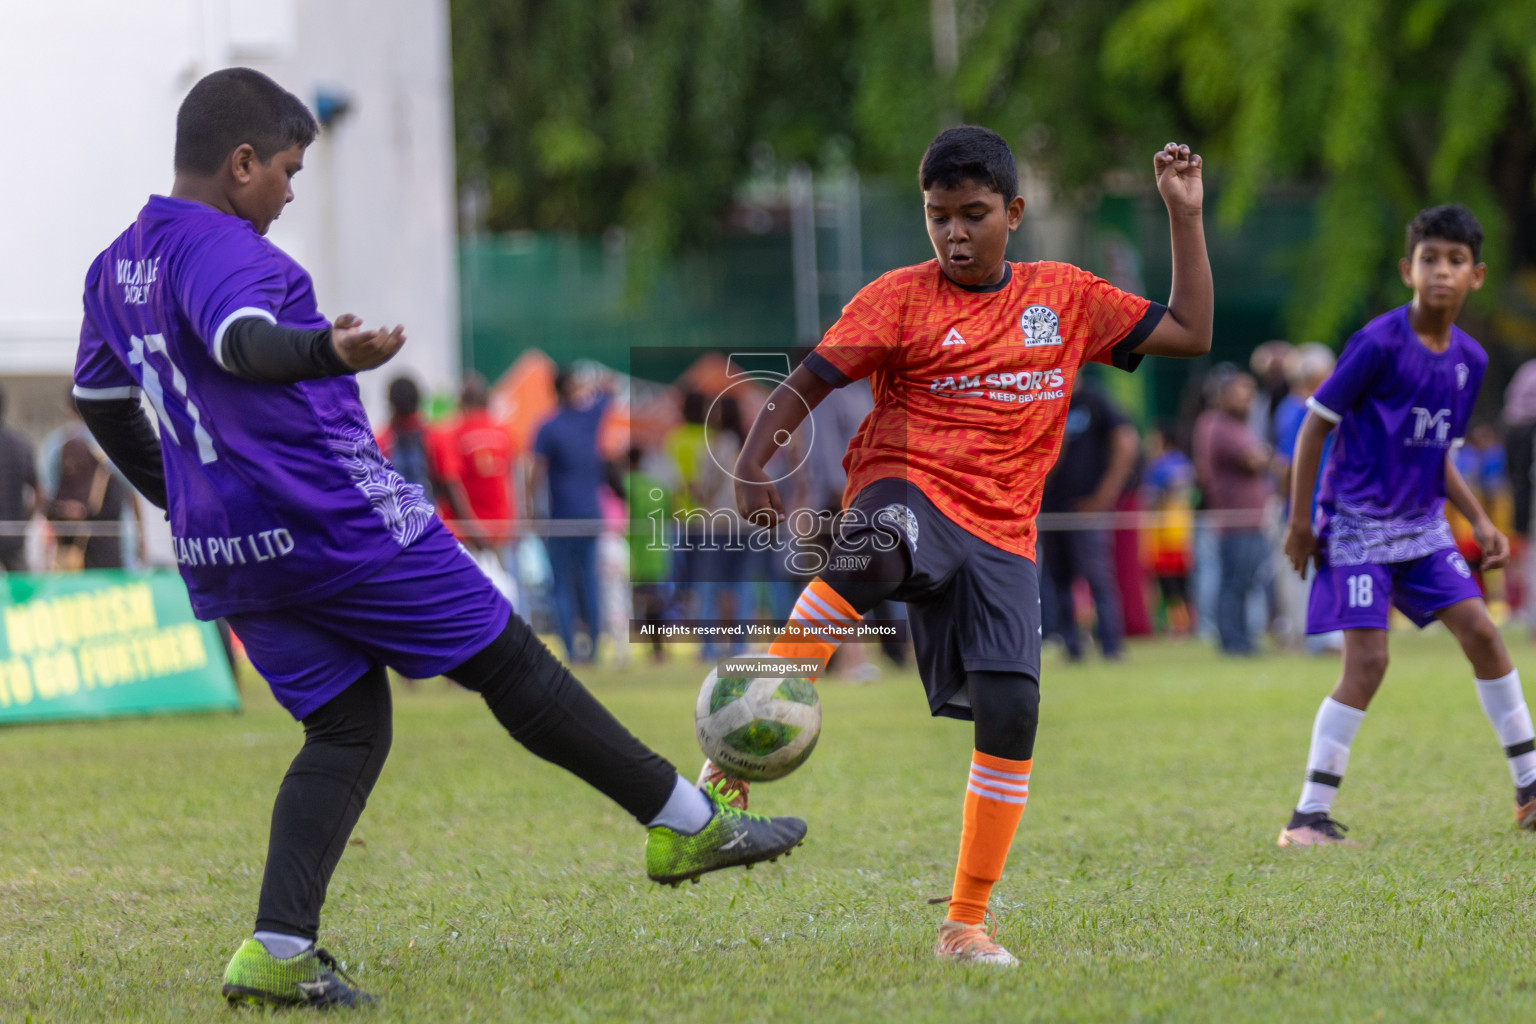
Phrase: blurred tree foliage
(649, 114)
(1388, 105)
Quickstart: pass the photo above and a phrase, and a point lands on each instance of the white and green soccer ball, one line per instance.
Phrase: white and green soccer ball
(757, 729)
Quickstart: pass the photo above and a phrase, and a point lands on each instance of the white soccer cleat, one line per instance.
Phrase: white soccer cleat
(971, 944)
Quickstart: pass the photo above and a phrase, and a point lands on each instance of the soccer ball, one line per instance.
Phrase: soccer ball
(757, 729)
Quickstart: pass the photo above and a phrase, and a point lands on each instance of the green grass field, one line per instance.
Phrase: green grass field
(485, 885)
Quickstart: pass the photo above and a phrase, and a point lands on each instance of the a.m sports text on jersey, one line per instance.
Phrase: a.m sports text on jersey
(1020, 386)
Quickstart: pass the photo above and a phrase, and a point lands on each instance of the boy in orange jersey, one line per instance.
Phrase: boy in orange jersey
(972, 360)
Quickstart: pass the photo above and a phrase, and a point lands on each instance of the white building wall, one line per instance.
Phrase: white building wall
(90, 90)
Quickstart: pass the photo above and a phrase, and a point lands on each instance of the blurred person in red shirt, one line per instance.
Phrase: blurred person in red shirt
(478, 455)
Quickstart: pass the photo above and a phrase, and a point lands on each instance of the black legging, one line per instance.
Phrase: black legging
(1006, 705)
(547, 710)
(346, 741)
(1007, 710)
(320, 800)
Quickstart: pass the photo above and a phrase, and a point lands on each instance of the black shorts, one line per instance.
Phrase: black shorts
(970, 605)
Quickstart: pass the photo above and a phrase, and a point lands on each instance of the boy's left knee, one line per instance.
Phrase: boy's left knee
(1006, 706)
(1479, 638)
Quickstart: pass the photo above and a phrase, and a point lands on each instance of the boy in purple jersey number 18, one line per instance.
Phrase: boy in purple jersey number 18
(1400, 398)
(329, 566)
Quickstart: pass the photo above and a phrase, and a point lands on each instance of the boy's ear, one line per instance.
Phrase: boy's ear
(1403, 266)
(1479, 275)
(1015, 212)
(242, 160)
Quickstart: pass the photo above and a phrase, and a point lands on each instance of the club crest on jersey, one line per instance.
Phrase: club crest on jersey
(1040, 326)
(902, 518)
(1462, 373)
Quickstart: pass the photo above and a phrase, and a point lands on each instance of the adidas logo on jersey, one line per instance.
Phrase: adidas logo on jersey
(952, 338)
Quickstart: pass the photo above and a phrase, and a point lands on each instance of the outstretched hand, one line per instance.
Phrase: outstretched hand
(364, 349)
(1178, 178)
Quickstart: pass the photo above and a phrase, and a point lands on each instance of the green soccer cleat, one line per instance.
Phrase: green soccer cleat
(255, 977)
(732, 837)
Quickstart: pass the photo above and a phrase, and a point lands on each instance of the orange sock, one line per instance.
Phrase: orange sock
(994, 803)
(818, 606)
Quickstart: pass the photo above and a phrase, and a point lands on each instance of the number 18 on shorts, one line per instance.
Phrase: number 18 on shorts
(1362, 596)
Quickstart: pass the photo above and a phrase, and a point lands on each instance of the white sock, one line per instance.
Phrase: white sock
(1332, 732)
(1504, 704)
(284, 947)
(687, 810)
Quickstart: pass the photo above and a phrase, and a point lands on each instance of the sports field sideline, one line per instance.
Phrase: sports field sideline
(1144, 885)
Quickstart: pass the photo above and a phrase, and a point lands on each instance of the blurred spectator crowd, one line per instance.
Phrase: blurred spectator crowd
(63, 506)
(595, 500)
(606, 506)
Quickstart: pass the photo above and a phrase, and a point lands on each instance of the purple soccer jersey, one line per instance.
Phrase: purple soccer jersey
(278, 493)
(1400, 408)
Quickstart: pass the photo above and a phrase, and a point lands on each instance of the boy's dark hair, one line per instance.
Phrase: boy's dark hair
(1452, 223)
(565, 380)
(234, 106)
(694, 407)
(968, 152)
(730, 417)
(404, 397)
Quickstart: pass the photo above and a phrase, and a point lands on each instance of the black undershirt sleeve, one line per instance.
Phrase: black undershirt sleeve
(1123, 356)
(822, 367)
(257, 349)
(125, 434)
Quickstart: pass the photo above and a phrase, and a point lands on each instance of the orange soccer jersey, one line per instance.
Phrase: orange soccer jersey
(971, 386)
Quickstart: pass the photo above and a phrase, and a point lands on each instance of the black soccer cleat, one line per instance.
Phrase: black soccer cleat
(1315, 828)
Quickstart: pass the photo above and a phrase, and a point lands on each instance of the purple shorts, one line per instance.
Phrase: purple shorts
(427, 610)
(1359, 596)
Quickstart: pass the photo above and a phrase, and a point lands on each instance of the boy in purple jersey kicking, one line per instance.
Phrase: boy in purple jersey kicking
(1400, 398)
(287, 521)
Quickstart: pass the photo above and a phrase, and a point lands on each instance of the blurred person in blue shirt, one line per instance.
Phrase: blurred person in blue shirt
(569, 468)
(1306, 367)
